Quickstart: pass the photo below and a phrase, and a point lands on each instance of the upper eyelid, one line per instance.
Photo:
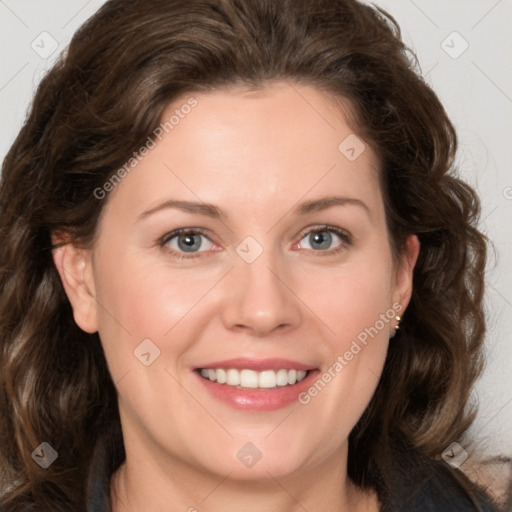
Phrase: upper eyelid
(326, 227)
(181, 231)
(318, 228)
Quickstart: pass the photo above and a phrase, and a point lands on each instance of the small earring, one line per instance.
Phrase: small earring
(397, 318)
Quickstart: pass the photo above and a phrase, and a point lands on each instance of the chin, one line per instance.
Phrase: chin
(249, 463)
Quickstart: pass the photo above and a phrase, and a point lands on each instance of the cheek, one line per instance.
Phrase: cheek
(351, 299)
(355, 355)
(355, 302)
(137, 301)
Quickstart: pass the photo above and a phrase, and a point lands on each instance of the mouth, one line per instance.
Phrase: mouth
(251, 379)
(251, 384)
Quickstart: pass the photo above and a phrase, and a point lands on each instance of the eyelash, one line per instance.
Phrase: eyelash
(344, 236)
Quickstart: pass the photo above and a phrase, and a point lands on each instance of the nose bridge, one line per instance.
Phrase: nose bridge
(260, 301)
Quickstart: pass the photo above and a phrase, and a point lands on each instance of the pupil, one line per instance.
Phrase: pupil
(189, 243)
(322, 239)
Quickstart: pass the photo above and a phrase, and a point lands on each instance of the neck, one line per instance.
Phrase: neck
(176, 485)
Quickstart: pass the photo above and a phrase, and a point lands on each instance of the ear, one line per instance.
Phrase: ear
(404, 272)
(75, 269)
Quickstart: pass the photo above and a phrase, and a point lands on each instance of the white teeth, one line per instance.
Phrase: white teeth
(233, 377)
(248, 379)
(292, 376)
(221, 376)
(267, 379)
(282, 377)
(251, 379)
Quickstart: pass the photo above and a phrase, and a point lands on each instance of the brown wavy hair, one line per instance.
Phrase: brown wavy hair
(98, 104)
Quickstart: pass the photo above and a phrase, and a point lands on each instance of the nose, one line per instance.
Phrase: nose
(260, 297)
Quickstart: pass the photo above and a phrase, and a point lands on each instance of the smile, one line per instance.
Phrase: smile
(250, 379)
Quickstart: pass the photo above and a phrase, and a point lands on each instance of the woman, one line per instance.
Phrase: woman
(238, 271)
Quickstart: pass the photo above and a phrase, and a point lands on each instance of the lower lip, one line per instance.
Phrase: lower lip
(258, 399)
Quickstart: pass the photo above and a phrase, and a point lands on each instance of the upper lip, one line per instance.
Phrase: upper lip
(259, 365)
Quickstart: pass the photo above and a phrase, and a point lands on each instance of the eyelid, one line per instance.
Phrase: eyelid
(342, 233)
(163, 241)
(182, 231)
(345, 236)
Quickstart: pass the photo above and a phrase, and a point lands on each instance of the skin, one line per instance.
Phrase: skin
(255, 155)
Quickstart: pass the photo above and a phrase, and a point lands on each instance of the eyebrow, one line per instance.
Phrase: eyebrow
(323, 203)
(206, 209)
(210, 210)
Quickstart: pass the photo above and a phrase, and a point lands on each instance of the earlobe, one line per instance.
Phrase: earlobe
(404, 272)
(74, 267)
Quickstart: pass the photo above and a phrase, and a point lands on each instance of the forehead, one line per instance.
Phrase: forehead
(242, 148)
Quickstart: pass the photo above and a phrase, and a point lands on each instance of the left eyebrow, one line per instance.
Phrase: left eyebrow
(323, 203)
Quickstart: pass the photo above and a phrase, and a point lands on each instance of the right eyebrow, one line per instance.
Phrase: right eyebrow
(206, 209)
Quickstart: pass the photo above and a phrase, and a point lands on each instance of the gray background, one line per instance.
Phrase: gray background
(474, 83)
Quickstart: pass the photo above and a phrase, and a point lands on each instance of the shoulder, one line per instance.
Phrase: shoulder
(422, 484)
(443, 492)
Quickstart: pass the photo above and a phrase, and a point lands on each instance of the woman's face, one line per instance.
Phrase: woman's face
(285, 265)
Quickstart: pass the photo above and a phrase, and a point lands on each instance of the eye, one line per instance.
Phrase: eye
(322, 238)
(187, 242)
